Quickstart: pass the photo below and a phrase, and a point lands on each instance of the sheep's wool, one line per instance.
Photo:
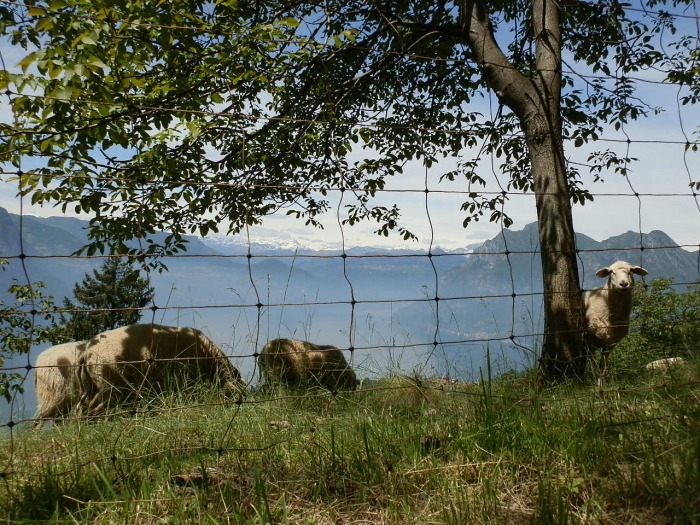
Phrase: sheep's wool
(301, 364)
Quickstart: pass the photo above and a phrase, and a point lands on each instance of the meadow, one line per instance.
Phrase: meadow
(399, 450)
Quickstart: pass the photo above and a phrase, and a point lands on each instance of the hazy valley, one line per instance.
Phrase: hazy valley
(486, 293)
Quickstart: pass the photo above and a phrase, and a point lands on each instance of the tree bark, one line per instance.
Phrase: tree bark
(536, 102)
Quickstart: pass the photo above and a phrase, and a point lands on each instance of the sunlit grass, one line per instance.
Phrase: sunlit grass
(400, 450)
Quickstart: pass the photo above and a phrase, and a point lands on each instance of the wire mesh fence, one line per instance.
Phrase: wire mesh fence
(440, 319)
(391, 311)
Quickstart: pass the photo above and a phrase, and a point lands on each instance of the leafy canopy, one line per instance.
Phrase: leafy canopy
(187, 115)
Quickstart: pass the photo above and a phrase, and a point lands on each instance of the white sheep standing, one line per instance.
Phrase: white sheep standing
(300, 364)
(119, 363)
(607, 309)
(54, 380)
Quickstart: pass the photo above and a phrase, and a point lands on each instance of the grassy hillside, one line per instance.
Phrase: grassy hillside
(393, 452)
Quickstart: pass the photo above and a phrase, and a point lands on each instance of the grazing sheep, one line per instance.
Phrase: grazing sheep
(54, 379)
(299, 364)
(607, 309)
(664, 364)
(118, 363)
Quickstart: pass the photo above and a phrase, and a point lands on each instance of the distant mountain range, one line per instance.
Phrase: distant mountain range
(388, 295)
(269, 242)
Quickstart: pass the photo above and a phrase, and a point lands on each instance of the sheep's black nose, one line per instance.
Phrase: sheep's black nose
(624, 284)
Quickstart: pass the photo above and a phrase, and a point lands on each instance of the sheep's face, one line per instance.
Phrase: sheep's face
(621, 275)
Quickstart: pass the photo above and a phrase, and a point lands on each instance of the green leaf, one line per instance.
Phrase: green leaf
(36, 11)
(27, 61)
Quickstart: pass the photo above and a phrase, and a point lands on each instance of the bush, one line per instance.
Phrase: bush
(27, 323)
(664, 323)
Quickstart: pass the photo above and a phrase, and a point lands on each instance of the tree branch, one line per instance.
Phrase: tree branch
(503, 77)
(545, 17)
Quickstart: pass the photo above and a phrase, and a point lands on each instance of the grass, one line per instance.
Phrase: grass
(394, 452)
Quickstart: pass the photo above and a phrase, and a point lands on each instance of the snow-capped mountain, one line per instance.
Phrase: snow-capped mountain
(281, 242)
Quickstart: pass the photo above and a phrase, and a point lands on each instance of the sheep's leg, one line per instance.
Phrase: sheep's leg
(86, 404)
(44, 414)
(85, 385)
(91, 396)
(97, 409)
(41, 413)
(82, 407)
(89, 406)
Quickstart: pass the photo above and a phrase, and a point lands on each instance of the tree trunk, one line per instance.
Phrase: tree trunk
(536, 102)
(563, 353)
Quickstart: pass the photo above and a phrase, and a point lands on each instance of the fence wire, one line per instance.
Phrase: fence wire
(362, 348)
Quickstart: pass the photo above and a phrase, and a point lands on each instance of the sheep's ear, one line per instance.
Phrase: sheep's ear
(639, 270)
(603, 272)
